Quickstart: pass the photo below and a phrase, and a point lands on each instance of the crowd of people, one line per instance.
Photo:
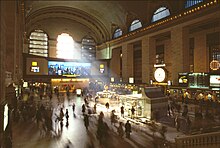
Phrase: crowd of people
(50, 119)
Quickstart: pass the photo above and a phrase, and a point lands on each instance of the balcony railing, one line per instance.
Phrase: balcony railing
(206, 140)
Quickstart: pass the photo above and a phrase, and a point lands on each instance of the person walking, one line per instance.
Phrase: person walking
(132, 112)
(73, 107)
(83, 108)
(107, 106)
(120, 130)
(177, 123)
(50, 96)
(122, 111)
(128, 129)
(67, 114)
(95, 108)
(61, 118)
(188, 123)
(86, 121)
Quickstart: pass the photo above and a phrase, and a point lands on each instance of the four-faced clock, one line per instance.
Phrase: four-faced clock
(160, 74)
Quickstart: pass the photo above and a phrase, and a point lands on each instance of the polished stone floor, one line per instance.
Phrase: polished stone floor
(26, 133)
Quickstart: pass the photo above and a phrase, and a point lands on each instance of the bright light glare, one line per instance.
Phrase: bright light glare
(65, 46)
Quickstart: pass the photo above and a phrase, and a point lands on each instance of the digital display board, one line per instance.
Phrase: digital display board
(198, 80)
(69, 68)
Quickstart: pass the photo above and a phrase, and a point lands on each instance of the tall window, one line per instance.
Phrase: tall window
(135, 25)
(65, 46)
(88, 48)
(213, 43)
(117, 33)
(38, 43)
(190, 3)
(160, 13)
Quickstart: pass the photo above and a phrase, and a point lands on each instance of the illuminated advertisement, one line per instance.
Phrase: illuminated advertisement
(131, 80)
(69, 68)
(35, 69)
(5, 116)
(183, 79)
(101, 68)
(215, 80)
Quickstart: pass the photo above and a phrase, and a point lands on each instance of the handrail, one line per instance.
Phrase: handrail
(205, 139)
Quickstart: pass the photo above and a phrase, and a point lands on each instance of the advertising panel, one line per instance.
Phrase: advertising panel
(36, 66)
(215, 81)
(74, 69)
(183, 79)
(99, 68)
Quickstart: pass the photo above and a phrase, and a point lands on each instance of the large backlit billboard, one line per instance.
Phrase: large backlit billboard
(69, 68)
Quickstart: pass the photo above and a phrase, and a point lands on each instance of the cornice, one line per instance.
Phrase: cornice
(175, 19)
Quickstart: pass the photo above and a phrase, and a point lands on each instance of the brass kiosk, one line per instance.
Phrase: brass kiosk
(150, 103)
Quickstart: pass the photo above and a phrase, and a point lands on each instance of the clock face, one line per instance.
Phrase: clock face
(160, 74)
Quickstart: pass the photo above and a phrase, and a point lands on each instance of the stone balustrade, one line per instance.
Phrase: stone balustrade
(211, 140)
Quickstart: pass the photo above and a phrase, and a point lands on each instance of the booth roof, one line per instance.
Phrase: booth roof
(153, 92)
(133, 96)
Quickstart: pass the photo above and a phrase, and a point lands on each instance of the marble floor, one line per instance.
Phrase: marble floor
(26, 133)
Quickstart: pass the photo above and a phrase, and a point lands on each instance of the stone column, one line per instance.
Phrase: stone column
(127, 62)
(10, 36)
(179, 53)
(2, 49)
(201, 54)
(148, 58)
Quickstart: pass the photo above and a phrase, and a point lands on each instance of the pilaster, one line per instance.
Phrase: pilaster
(127, 62)
(148, 58)
(179, 52)
(200, 54)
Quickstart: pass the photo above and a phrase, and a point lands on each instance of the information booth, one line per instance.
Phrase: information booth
(150, 103)
(106, 96)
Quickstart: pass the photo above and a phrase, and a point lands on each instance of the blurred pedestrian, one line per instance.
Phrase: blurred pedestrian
(177, 123)
(67, 114)
(122, 111)
(95, 108)
(107, 106)
(120, 130)
(73, 107)
(128, 129)
(132, 112)
(188, 123)
(86, 121)
(83, 108)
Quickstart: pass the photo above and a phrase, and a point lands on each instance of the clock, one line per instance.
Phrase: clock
(159, 74)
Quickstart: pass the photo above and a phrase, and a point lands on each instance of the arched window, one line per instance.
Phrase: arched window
(135, 25)
(88, 48)
(38, 43)
(65, 46)
(117, 33)
(190, 3)
(160, 13)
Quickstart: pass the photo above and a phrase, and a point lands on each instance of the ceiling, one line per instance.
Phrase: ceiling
(99, 19)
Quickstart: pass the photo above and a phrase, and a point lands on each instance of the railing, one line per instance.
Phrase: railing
(211, 140)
